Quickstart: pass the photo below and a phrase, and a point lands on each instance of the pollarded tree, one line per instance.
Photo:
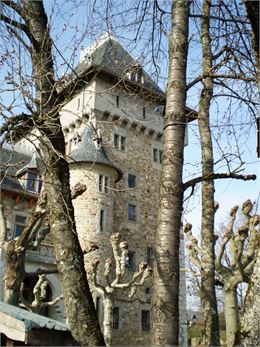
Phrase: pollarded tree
(234, 262)
(120, 257)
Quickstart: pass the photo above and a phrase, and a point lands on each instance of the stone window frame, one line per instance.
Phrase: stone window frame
(103, 182)
(145, 328)
(120, 134)
(157, 155)
(132, 213)
(134, 174)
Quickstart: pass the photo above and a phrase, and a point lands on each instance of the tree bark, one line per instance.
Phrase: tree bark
(80, 311)
(231, 316)
(208, 295)
(250, 332)
(166, 275)
(108, 320)
(14, 272)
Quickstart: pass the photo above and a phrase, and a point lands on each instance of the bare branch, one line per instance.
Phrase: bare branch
(215, 176)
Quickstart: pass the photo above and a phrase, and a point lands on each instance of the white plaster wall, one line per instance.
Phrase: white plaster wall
(80, 104)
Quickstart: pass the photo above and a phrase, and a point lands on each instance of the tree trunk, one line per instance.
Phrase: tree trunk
(80, 311)
(166, 275)
(252, 8)
(208, 295)
(14, 272)
(250, 327)
(108, 320)
(231, 316)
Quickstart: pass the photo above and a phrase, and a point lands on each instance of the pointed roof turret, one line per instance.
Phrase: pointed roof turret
(90, 150)
(32, 165)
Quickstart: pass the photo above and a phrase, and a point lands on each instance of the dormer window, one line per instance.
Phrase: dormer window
(29, 176)
(135, 74)
(31, 181)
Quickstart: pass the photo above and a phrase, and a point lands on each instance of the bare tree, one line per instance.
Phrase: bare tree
(250, 317)
(234, 262)
(120, 257)
(32, 31)
(166, 276)
(208, 295)
(40, 296)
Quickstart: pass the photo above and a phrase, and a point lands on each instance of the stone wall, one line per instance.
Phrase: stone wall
(142, 136)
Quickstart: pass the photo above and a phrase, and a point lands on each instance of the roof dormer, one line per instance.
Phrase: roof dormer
(29, 176)
(135, 74)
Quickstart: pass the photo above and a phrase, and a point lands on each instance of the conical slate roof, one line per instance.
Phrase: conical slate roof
(90, 150)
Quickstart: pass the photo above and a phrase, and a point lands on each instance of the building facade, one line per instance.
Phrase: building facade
(114, 141)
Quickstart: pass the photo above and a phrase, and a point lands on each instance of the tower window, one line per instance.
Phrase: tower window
(131, 181)
(116, 318)
(131, 212)
(102, 221)
(155, 155)
(120, 142)
(102, 184)
(149, 256)
(143, 112)
(117, 101)
(145, 320)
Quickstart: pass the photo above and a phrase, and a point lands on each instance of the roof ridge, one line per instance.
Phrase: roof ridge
(94, 45)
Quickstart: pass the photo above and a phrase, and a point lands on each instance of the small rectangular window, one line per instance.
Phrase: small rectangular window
(19, 225)
(117, 101)
(102, 220)
(116, 141)
(116, 318)
(131, 181)
(131, 212)
(155, 155)
(149, 256)
(120, 142)
(102, 184)
(143, 112)
(131, 261)
(105, 184)
(123, 144)
(146, 324)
